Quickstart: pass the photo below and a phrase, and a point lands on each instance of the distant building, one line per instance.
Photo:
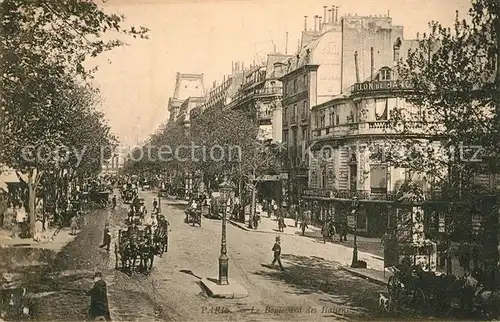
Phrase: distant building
(186, 86)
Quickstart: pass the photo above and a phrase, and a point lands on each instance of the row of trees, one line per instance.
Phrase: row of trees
(219, 143)
(51, 128)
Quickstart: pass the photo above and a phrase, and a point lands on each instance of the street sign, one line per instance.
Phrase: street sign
(351, 221)
(266, 178)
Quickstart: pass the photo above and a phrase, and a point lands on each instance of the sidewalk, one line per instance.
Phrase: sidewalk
(268, 225)
(49, 241)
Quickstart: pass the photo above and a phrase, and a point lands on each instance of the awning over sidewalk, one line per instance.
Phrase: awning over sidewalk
(7, 175)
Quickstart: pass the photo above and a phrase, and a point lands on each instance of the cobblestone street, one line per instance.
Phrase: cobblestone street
(310, 288)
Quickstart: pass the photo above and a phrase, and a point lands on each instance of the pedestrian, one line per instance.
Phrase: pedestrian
(74, 225)
(106, 240)
(325, 231)
(113, 201)
(99, 309)
(277, 253)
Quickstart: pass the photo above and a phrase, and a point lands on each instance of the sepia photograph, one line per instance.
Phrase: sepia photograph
(250, 160)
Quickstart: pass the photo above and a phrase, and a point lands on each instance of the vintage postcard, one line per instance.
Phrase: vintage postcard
(231, 160)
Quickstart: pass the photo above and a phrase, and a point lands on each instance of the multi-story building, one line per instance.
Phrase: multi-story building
(347, 156)
(324, 69)
(260, 95)
(191, 103)
(186, 86)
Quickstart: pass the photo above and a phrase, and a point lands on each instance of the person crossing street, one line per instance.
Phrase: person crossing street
(107, 238)
(277, 254)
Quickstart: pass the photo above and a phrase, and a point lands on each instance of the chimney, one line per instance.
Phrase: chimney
(336, 13)
(356, 66)
(329, 16)
(319, 23)
(324, 14)
(315, 22)
(396, 48)
(388, 13)
(305, 23)
(333, 14)
(371, 63)
(242, 66)
(286, 43)
(232, 66)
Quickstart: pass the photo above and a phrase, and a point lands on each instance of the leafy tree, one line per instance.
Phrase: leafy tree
(454, 73)
(43, 49)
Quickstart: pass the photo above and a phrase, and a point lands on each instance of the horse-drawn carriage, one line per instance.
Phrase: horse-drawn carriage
(193, 216)
(98, 199)
(134, 246)
(139, 246)
(413, 287)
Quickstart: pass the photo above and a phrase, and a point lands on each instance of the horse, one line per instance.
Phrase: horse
(482, 298)
(146, 249)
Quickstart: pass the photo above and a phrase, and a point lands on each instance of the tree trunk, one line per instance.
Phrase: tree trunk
(31, 201)
(252, 208)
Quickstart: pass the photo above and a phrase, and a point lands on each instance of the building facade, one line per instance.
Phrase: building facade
(186, 85)
(324, 69)
(347, 156)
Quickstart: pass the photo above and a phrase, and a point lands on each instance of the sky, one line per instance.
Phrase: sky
(206, 36)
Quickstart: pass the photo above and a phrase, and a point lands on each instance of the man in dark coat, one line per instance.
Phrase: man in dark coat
(106, 241)
(277, 253)
(99, 299)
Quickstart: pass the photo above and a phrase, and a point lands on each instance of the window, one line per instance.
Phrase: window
(378, 178)
(285, 137)
(381, 107)
(304, 110)
(353, 176)
(304, 134)
(294, 111)
(294, 137)
(337, 119)
(322, 121)
(385, 74)
(305, 81)
(294, 86)
(285, 85)
(285, 113)
(332, 119)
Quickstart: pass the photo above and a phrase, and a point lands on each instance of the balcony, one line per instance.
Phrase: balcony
(381, 86)
(262, 93)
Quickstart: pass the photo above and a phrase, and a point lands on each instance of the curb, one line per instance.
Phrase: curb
(242, 226)
(358, 274)
(239, 225)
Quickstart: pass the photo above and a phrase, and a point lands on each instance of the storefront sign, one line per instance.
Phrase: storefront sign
(381, 85)
(351, 221)
(317, 193)
(266, 178)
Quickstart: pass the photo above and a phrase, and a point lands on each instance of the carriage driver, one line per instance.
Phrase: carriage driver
(155, 205)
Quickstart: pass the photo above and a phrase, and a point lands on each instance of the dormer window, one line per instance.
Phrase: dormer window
(385, 74)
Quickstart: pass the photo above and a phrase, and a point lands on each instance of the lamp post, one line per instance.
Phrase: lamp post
(354, 211)
(226, 188)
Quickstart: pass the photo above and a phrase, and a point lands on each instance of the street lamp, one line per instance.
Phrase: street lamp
(354, 211)
(226, 188)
